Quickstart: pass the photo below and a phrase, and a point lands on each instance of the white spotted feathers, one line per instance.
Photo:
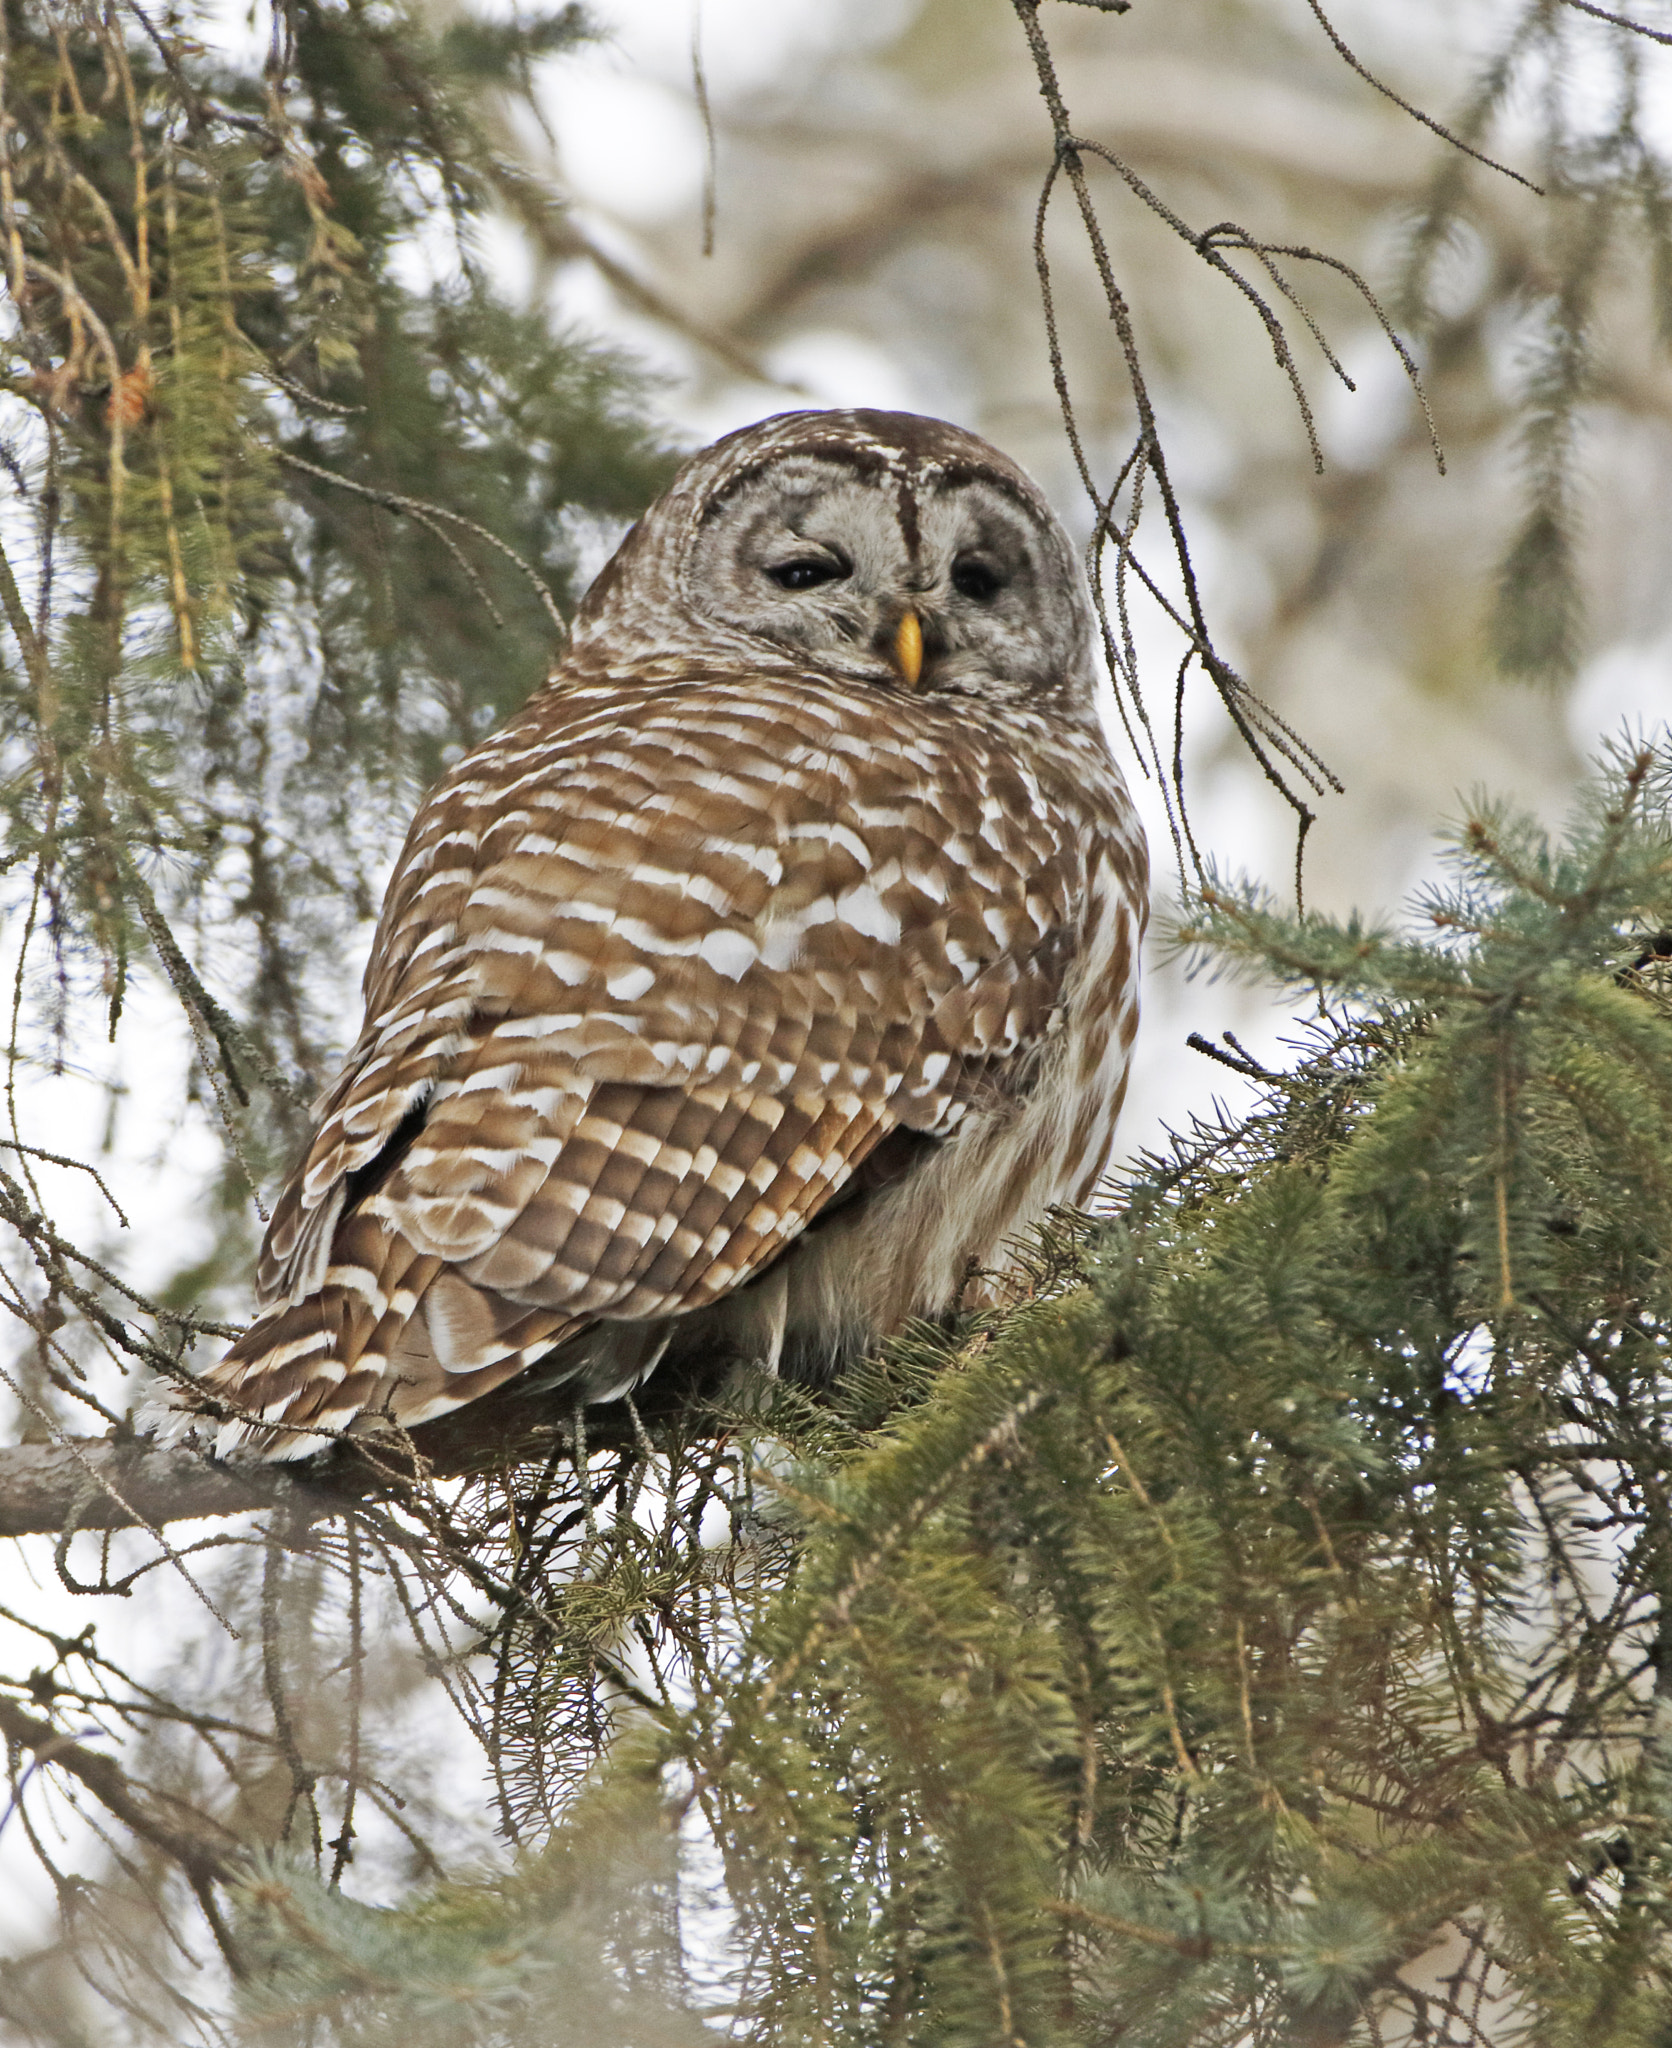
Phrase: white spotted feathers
(740, 991)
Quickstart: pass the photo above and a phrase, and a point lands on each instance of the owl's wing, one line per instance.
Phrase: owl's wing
(652, 981)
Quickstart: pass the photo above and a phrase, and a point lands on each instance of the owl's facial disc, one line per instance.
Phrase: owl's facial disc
(832, 562)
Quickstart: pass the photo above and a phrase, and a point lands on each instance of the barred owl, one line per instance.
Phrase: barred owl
(774, 963)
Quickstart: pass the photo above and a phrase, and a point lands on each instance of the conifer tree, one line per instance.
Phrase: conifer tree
(1255, 1631)
(1274, 1598)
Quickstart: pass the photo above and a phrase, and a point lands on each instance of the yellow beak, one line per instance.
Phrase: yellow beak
(908, 649)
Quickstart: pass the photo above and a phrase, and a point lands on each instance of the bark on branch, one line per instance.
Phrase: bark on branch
(125, 1483)
(46, 1487)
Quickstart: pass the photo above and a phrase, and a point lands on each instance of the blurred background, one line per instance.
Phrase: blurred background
(832, 202)
(778, 203)
(871, 177)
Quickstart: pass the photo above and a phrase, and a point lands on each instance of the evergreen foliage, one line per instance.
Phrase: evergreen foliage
(573, 1952)
(1254, 1634)
(1275, 1596)
(290, 527)
(1607, 191)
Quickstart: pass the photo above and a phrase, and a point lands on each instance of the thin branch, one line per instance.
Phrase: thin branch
(1636, 28)
(420, 509)
(1428, 121)
(150, 1484)
(705, 113)
(229, 1034)
(78, 1166)
(202, 1855)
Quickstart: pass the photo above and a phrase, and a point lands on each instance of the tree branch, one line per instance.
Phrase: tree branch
(48, 1488)
(41, 1485)
(200, 1854)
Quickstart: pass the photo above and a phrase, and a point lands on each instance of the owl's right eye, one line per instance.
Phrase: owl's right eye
(808, 572)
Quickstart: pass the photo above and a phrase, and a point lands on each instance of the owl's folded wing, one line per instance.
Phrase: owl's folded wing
(614, 1064)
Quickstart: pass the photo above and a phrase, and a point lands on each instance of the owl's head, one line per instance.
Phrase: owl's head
(884, 548)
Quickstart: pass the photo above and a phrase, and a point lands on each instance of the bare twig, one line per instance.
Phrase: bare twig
(418, 508)
(202, 1853)
(1261, 729)
(1435, 127)
(1636, 28)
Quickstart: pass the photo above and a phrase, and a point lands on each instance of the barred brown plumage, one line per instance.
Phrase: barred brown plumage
(748, 983)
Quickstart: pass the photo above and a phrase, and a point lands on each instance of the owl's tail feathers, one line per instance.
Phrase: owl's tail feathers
(399, 1346)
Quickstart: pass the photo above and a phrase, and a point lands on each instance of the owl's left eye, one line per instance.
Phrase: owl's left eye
(808, 572)
(974, 578)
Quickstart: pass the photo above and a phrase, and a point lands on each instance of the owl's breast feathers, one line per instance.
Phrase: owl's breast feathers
(660, 967)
